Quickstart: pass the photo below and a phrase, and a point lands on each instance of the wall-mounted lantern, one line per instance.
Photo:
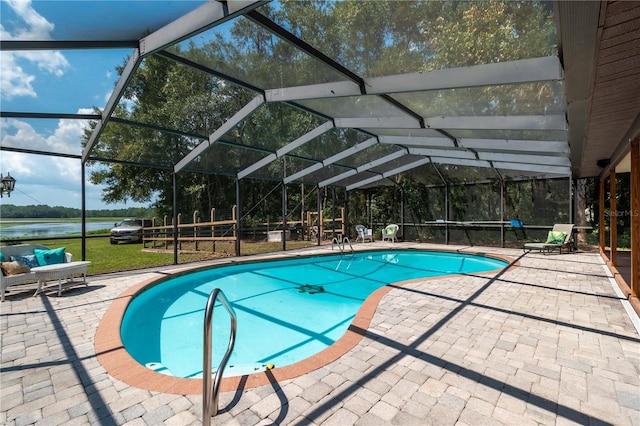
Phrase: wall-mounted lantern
(7, 184)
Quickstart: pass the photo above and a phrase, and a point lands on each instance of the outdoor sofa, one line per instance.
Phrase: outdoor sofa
(31, 266)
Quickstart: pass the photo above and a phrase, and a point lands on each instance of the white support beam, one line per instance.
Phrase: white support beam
(257, 165)
(286, 149)
(127, 74)
(417, 141)
(539, 169)
(404, 122)
(519, 122)
(336, 178)
(510, 72)
(381, 160)
(389, 173)
(521, 71)
(526, 159)
(460, 162)
(201, 19)
(411, 132)
(364, 182)
(308, 170)
(246, 110)
(337, 157)
(314, 91)
(323, 128)
(406, 167)
(350, 151)
(559, 147)
(363, 167)
(451, 153)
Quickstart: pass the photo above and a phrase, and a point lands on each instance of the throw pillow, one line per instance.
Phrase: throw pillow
(555, 237)
(2, 259)
(49, 257)
(14, 268)
(29, 260)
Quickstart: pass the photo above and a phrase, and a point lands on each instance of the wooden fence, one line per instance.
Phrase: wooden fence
(161, 234)
(195, 232)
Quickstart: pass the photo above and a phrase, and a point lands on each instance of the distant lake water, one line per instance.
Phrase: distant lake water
(13, 229)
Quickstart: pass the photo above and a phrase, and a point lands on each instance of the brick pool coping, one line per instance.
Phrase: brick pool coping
(119, 364)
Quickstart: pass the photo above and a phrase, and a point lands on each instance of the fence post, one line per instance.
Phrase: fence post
(195, 227)
(236, 223)
(154, 234)
(179, 230)
(213, 230)
(233, 217)
(165, 224)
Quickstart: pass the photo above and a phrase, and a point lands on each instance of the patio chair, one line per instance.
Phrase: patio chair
(561, 236)
(364, 234)
(389, 232)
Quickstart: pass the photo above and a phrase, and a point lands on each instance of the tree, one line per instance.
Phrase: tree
(369, 38)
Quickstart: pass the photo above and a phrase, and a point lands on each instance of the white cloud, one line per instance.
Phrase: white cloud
(37, 28)
(44, 179)
(51, 171)
(15, 81)
(41, 179)
(65, 139)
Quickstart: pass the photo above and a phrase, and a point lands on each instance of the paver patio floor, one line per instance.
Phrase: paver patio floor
(546, 342)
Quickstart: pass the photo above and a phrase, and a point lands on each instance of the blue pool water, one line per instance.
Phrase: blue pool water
(287, 310)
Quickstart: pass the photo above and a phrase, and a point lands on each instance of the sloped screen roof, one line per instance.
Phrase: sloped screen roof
(346, 93)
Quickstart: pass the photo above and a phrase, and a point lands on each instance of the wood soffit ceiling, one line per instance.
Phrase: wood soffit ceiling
(600, 50)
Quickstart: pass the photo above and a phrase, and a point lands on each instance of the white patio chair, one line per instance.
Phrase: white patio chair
(390, 232)
(364, 234)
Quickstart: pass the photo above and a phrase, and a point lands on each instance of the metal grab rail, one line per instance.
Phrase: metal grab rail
(335, 241)
(341, 247)
(347, 240)
(210, 394)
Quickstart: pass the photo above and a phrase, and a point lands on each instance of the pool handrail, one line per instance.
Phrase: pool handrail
(341, 247)
(209, 393)
(346, 240)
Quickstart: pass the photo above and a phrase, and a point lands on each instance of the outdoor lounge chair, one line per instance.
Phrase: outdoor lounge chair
(389, 232)
(364, 233)
(561, 236)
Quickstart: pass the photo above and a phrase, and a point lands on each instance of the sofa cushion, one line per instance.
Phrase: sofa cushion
(29, 260)
(14, 268)
(49, 257)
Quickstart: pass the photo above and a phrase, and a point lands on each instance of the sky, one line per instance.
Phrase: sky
(73, 81)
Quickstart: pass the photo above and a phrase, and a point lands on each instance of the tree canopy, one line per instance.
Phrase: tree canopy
(369, 38)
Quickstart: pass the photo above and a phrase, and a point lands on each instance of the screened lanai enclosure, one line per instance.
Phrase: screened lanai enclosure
(463, 122)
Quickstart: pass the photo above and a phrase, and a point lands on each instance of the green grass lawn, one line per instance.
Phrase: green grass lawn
(106, 258)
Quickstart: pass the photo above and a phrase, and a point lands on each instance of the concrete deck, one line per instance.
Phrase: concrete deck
(547, 342)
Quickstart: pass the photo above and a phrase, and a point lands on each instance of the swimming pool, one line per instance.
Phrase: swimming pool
(287, 309)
